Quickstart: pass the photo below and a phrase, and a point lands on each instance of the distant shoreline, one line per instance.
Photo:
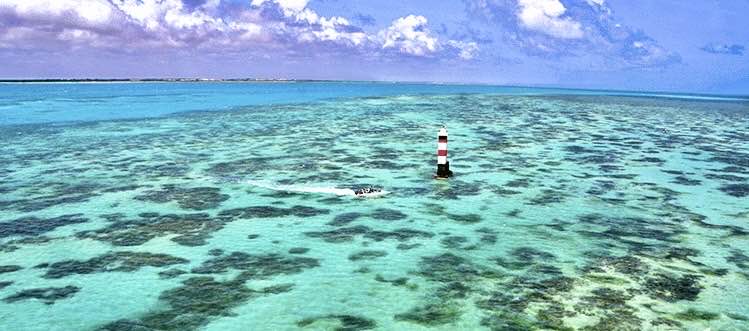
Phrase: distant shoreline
(154, 80)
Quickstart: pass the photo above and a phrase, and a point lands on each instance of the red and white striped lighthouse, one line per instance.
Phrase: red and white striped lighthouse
(443, 166)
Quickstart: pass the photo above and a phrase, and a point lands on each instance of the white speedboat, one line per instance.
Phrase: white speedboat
(369, 192)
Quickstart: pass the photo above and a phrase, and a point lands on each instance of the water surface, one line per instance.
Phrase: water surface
(567, 211)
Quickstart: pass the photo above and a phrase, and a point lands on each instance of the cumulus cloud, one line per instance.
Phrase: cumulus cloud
(466, 50)
(121, 23)
(716, 48)
(276, 25)
(571, 28)
(546, 16)
(306, 25)
(83, 12)
(289, 7)
(409, 35)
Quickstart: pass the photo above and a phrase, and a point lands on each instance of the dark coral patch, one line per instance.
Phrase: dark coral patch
(241, 167)
(124, 188)
(34, 226)
(635, 233)
(201, 299)
(447, 267)
(298, 250)
(400, 281)
(111, 262)
(304, 211)
(628, 265)
(161, 170)
(725, 177)
(347, 322)
(552, 318)
(738, 258)
(488, 238)
(518, 183)
(171, 273)
(736, 190)
(401, 234)
(499, 321)
(692, 314)
(191, 306)
(616, 321)
(54, 194)
(277, 289)
(547, 197)
(465, 218)
(348, 233)
(432, 314)
(385, 214)
(9, 268)
(47, 295)
(367, 255)
(255, 212)
(530, 254)
(453, 242)
(256, 266)
(405, 247)
(453, 290)
(673, 288)
(271, 212)
(340, 234)
(683, 180)
(191, 229)
(504, 301)
(606, 299)
(344, 219)
(198, 198)
(575, 149)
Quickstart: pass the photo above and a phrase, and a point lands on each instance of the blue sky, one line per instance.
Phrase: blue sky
(693, 46)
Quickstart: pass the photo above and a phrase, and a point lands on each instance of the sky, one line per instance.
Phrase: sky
(655, 45)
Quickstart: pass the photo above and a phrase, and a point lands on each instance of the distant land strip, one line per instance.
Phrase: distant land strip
(167, 80)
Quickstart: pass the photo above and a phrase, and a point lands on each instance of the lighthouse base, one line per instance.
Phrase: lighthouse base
(443, 171)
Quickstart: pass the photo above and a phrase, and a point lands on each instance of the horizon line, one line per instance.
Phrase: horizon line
(742, 97)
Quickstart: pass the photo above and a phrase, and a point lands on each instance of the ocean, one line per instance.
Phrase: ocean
(229, 206)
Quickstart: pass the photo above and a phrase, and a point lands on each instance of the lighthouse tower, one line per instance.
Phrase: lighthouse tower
(443, 166)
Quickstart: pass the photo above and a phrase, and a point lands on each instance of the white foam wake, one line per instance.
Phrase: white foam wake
(301, 189)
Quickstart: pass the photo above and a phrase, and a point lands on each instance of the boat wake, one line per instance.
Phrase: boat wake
(313, 189)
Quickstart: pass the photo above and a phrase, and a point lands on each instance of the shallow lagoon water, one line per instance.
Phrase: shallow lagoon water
(566, 211)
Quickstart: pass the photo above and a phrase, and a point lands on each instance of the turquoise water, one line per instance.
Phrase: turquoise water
(219, 207)
(36, 103)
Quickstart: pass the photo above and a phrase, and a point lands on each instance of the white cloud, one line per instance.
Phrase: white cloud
(247, 30)
(90, 11)
(466, 50)
(317, 28)
(155, 14)
(546, 16)
(289, 24)
(409, 35)
(289, 7)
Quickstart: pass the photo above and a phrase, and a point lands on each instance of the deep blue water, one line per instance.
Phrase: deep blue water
(66, 102)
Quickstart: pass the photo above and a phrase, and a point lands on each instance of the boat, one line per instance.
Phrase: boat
(369, 192)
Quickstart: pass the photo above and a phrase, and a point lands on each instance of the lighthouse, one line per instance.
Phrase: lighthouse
(443, 166)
